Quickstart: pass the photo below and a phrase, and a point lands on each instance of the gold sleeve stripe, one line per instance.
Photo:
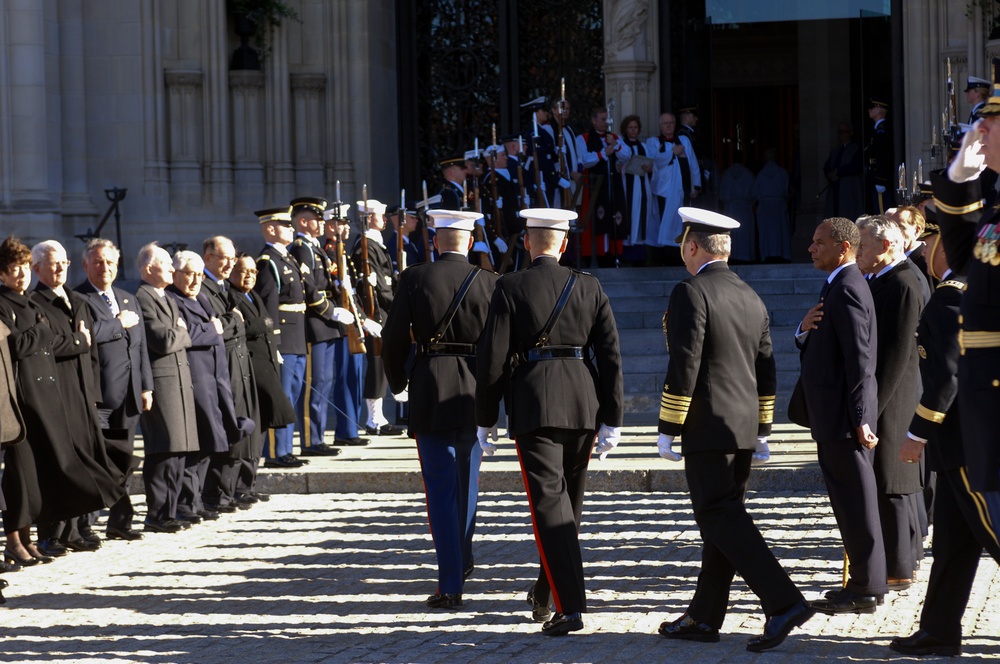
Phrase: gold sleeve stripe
(929, 415)
(963, 209)
(765, 400)
(673, 416)
(677, 398)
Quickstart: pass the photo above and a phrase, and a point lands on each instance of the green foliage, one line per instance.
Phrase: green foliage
(266, 15)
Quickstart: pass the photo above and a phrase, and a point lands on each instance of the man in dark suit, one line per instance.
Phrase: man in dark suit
(837, 338)
(563, 383)
(960, 531)
(126, 378)
(719, 397)
(896, 293)
(443, 306)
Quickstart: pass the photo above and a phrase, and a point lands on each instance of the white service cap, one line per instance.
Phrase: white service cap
(704, 221)
(460, 220)
(373, 206)
(554, 218)
(344, 209)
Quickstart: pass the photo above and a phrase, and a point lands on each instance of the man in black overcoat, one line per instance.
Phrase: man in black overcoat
(896, 293)
(838, 338)
(719, 397)
(563, 383)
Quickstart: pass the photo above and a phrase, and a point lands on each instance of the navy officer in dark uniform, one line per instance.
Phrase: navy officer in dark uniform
(719, 397)
(960, 531)
(443, 306)
(880, 160)
(551, 346)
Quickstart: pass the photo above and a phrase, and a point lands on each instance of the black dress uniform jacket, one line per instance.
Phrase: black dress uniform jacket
(287, 289)
(443, 387)
(309, 254)
(720, 384)
(379, 264)
(898, 304)
(567, 394)
(979, 365)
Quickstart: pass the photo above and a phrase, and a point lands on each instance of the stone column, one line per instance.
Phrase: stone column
(279, 165)
(630, 42)
(247, 105)
(218, 145)
(340, 158)
(76, 200)
(155, 167)
(186, 135)
(307, 124)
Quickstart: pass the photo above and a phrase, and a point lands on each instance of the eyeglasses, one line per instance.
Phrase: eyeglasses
(56, 263)
(191, 274)
(248, 270)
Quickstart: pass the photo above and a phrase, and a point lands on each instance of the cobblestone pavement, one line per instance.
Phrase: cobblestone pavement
(342, 578)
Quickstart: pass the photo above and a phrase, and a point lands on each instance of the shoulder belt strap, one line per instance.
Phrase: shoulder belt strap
(455, 304)
(543, 338)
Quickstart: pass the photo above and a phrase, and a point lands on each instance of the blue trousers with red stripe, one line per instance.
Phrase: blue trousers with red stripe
(347, 399)
(554, 465)
(318, 393)
(449, 462)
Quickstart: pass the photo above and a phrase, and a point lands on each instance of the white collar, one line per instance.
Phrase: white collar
(280, 248)
(889, 267)
(717, 260)
(375, 236)
(833, 274)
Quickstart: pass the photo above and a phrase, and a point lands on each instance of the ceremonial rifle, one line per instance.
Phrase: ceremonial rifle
(400, 222)
(537, 167)
(371, 309)
(564, 170)
(355, 335)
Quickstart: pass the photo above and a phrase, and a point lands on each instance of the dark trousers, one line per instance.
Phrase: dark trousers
(897, 514)
(246, 476)
(347, 399)
(375, 381)
(120, 514)
(120, 439)
(315, 403)
(554, 466)
(449, 463)
(189, 503)
(732, 543)
(162, 475)
(960, 535)
(850, 481)
(220, 480)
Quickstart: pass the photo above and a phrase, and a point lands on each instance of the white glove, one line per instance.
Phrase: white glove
(564, 183)
(373, 279)
(348, 286)
(482, 433)
(763, 452)
(499, 202)
(281, 360)
(481, 222)
(665, 444)
(607, 440)
(527, 201)
(500, 245)
(341, 315)
(880, 189)
(402, 397)
(543, 185)
(481, 247)
(968, 163)
(371, 327)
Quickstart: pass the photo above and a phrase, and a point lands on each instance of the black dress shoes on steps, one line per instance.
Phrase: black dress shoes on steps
(846, 601)
(779, 626)
(563, 623)
(540, 611)
(444, 600)
(921, 643)
(127, 534)
(687, 628)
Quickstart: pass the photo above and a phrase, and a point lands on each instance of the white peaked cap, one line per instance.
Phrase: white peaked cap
(554, 218)
(460, 220)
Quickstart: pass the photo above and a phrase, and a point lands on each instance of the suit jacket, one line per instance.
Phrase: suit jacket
(124, 362)
(169, 427)
(937, 417)
(443, 387)
(898, 304)
(721, 379)
(838, 361)
(563, 393)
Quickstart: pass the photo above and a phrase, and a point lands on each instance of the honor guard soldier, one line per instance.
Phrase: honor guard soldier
(719, 397)
(321, 329)
(500, 203)
(551, 346)
(443, 306)
(976, 93)
(687, 119)
(283, 287)
(543, 154)
(453, 194)
(880, 165)
(958, 199)
(961, 531)
(375, 284)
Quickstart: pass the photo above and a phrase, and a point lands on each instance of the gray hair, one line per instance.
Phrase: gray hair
(716, 244)
(41, 251)
(882, 228)
(95, 244)
(149, 253)
(183, 258)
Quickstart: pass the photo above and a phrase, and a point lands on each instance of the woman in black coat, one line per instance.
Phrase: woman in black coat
(45, 478)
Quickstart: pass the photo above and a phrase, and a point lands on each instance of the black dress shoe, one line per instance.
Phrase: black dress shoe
(247, 499)
(832, 594)
(287, 461)
(11, 558)
(221, 509)
(922, 643)
(353, 442)
(469, 569)
(385, 430)
(779, 626)
(189, 518)
(6, 567)
(444, 601)
(81, 544)
(51, 547)
(320, 450)
(91, 536)
(540, 611)
(689, 629)
(169, 526)
(845, 601)
(3, 584)
(209, 514)
(127, 534)
(563, 623)
(262, 497)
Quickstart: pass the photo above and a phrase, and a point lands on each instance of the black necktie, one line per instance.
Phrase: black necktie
(107, 301)
(823, 290)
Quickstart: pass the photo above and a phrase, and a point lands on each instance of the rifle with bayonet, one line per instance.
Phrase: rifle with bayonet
(371, 307)
(355, 335)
